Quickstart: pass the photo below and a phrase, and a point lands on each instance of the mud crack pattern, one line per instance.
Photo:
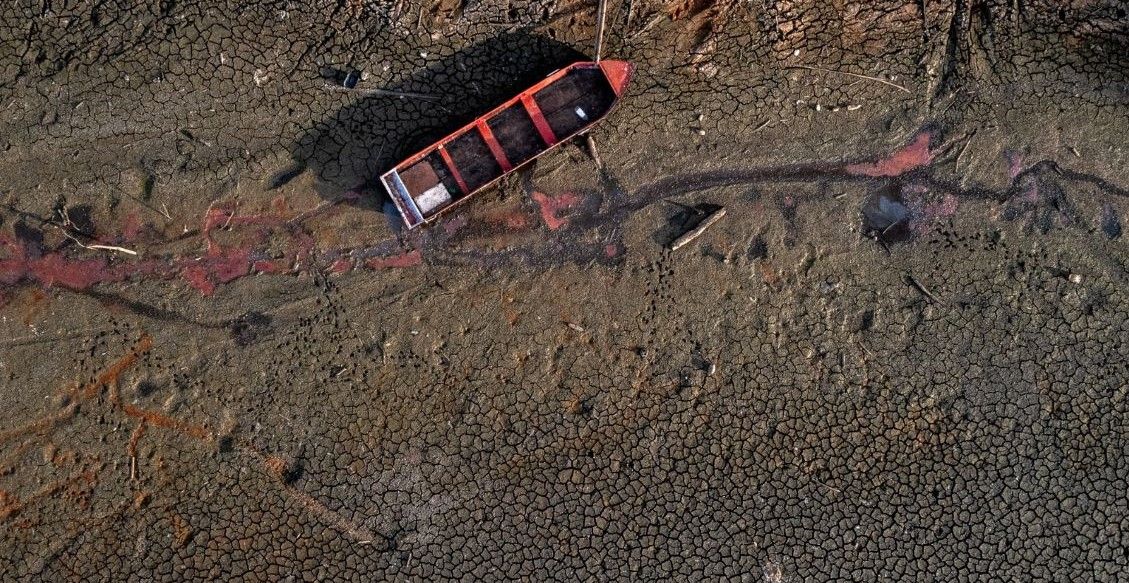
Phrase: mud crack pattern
(901, 355)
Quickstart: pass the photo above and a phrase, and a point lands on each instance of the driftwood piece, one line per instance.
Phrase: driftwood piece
(694, 233)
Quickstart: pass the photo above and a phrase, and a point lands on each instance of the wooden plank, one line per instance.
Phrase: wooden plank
(495, 147)
(601, 10)
(539, 121)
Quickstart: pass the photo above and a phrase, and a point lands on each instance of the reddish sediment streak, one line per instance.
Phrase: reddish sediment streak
(131, 227)
(219, 266)
(1014, 169)
(1014, 163)
(553, 206)
(12, 269)
(409, 259)
(906, 158)
(21, 261)
(54, 269)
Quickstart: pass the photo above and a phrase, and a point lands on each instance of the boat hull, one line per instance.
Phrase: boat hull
(566, 103)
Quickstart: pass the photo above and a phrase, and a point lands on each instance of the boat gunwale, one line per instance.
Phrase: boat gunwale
(484, 118)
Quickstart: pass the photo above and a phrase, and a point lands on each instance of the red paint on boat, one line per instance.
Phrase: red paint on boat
(452, 168)
(495, 147)
(566, 103)
(539, 120)
(618, 73)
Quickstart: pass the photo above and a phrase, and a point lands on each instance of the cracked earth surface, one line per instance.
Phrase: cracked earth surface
(900, 355)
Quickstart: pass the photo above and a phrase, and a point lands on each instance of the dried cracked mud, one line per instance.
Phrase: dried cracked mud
(901, 355)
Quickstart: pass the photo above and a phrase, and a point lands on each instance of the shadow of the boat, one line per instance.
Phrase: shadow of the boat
(349, 149)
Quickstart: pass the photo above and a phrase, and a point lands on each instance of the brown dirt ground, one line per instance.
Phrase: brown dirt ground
(901, 354)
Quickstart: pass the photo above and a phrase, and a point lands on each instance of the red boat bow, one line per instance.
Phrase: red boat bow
(618, 74)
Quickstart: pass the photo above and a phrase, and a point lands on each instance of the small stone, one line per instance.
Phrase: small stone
(1075, 278)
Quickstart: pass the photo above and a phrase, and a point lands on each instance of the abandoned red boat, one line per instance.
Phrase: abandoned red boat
(564, 104)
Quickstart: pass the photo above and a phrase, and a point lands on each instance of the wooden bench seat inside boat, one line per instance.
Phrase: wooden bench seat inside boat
(431, 184)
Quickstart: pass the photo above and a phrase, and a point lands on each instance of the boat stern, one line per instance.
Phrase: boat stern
(618, 74)
(400, 196)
